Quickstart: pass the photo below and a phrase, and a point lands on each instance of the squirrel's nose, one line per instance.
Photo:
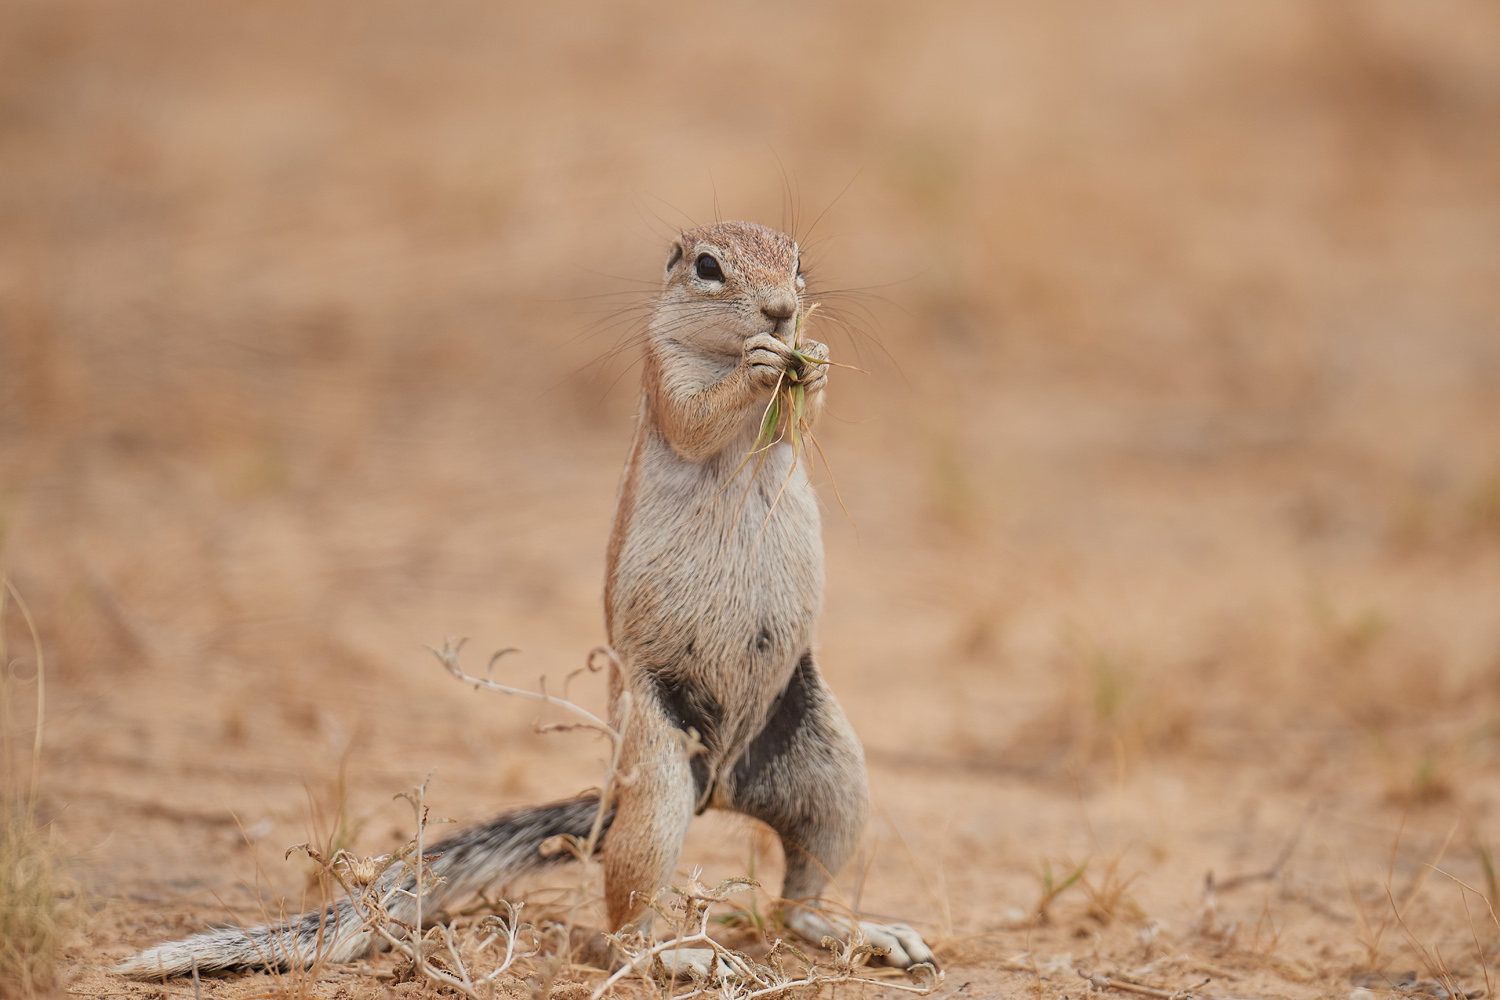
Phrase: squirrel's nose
(778, 304)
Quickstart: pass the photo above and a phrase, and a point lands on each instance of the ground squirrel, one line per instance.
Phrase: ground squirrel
(713, 587)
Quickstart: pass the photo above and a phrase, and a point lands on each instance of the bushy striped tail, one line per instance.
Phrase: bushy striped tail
(508, 846)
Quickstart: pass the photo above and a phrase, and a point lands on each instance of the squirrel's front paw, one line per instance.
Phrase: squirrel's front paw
(771, 362)
(766, 359)
(808, 373)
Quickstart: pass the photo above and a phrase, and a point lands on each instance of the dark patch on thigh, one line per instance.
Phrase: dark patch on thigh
(689, 707)
(788, 715)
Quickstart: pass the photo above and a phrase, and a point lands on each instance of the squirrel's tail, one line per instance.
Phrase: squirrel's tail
(507, 846)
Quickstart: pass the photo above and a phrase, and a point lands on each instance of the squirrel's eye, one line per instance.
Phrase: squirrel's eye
(708, 268)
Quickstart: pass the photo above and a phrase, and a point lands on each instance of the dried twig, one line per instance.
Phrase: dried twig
(1272, 873)
(452, 646)
(1099, 981)
(371, 894)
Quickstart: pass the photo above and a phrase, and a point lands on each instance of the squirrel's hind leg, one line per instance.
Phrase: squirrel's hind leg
(654, 807)
(804, 776)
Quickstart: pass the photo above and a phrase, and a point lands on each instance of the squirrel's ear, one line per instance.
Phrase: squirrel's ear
(674, 256)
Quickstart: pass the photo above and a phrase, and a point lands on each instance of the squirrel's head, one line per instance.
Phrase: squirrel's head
(727, 282)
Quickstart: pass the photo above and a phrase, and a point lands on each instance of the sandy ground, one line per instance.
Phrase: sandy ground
(1173, 533)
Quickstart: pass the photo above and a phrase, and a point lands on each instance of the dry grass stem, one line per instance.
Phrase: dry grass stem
(1098, 981)
(38, 901)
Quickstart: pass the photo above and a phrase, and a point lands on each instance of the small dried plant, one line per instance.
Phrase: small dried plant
(1054, 884)
(445, 954)
(613, 778)
(38, 901)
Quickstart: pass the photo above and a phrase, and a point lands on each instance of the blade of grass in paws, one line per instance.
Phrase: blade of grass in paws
(796, 423)
(809, 359)
(764, 439)
(795, 406)
(770, 419)
(786, 412)
(797, 426)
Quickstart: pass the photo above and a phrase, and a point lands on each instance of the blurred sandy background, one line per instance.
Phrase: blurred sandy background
(1176, 475)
